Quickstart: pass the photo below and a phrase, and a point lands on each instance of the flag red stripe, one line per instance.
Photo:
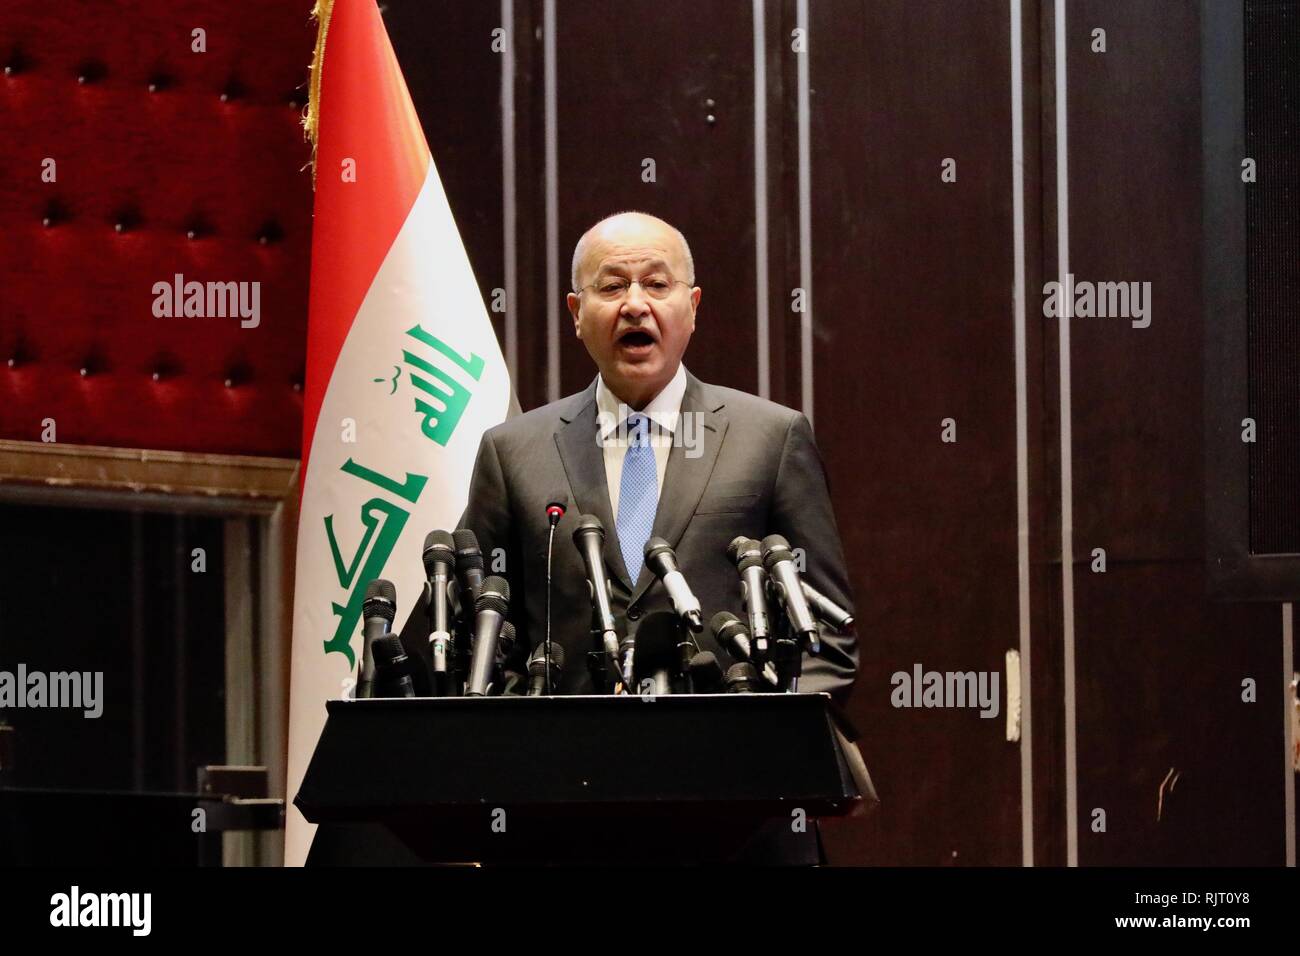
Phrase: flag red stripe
(366, 115)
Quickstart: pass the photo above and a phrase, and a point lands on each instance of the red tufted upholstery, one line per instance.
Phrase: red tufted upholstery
(77, 293)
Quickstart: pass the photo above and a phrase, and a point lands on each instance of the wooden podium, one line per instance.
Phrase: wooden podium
(584, 779)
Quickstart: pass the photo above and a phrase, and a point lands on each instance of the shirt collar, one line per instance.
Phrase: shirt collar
(663, 409)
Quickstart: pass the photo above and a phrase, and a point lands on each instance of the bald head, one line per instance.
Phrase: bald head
(630, 228)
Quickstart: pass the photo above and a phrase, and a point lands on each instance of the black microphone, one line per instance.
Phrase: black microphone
(779, 561)
(747, 555)
(659, 557)
(439, 561)
(543, 670)
(826, 609)
(730, 633)
(489, 614)
(656, 653)
(626, 651)
(589, 538)
(392, 668)
(741, 678)
(554, 512)
(469, 563)
(706, 673)
(379, 609)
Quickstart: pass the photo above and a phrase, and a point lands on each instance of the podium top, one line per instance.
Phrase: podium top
(377, 758)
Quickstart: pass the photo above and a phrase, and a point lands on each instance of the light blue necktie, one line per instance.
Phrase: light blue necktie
(638, 495)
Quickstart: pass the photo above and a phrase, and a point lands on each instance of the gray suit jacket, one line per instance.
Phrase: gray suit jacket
(757, 472)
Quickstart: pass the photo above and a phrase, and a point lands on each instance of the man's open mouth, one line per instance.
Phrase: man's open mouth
(636, 338)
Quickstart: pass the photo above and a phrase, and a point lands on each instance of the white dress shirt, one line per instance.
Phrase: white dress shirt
(664, 411)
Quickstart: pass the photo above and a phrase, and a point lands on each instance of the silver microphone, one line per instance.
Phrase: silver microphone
(779, 561)
(659, 557)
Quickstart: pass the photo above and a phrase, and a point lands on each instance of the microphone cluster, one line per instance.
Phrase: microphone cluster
(768, 647)
(469, 643)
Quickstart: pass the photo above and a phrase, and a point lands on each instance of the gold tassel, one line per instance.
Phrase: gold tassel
(311, 120)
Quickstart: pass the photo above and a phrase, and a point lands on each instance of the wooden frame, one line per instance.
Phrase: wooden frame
(258, 498)
(1232, 571)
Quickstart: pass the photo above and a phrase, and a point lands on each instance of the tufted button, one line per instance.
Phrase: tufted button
(634, 612)
(90, 73)
(270, 232)
(84, 371)
(297, 386)
(12, 363)
(191, 234)
(157, 376)
(230, 383)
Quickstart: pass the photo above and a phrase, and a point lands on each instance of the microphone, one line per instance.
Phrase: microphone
(732, 637)
(706, 673)
(541, 667)
(489, 616)
(655, 654)
(626, 651)
(747, 555)
(439, 560)
(741, 678)
(469, 563)
(826, 609)
(589, 538)
(379, 609)
(554, 512)
(659, 557)
(392, 674)
(779, 561)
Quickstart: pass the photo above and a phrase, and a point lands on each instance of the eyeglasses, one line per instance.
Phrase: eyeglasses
(614, 288)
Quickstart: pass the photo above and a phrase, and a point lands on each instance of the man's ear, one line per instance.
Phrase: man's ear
(573, 301)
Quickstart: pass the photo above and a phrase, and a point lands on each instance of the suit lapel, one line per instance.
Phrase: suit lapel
(686, 477)
(584, 466)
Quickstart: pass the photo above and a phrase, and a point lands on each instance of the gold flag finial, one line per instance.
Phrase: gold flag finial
(311, 120)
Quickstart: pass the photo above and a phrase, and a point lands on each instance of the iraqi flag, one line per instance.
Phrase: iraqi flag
(404, 373)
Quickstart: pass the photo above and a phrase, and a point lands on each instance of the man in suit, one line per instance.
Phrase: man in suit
(651, 450)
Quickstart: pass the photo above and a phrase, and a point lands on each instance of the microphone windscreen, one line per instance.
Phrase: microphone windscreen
(706, 672)
(721, 620)
(494, 595)
(657, 638)
(656, 546)
(381, 600)
(506, 641)
(588, 523)
(775, 548)
(741, 677)
(468, 554)
(439, 547)
(741, 545)
(388, 650)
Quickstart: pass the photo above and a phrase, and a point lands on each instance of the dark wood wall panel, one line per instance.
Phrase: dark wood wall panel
(912, 294)
(1159, 685)
(445, 49)
(635, 86)
(1159, 666)
(914, 324)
